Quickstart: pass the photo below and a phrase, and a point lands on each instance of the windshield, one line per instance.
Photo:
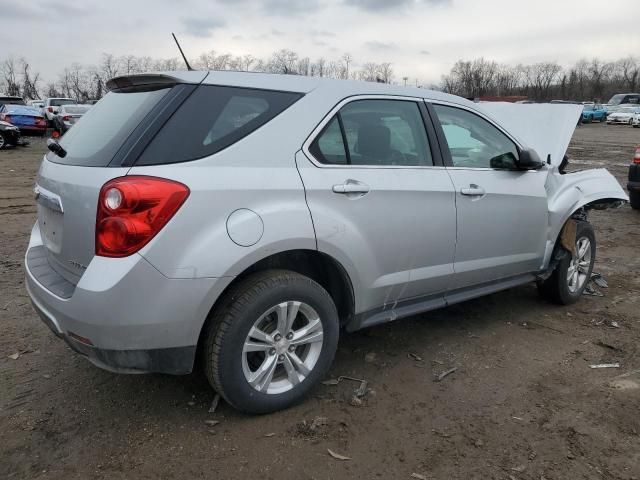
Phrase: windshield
(56, 102)
(94, 141)
(588, 108)
(12, 100)
(616, 99)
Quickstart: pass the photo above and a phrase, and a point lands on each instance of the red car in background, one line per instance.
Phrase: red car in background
(27, 119)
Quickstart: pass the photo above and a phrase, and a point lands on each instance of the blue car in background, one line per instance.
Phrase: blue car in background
(28, 119)
(591, 113)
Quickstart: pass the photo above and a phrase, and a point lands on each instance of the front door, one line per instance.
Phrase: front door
(502, 212)
(379, 204)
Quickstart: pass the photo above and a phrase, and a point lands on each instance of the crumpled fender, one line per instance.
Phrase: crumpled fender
(567, 193)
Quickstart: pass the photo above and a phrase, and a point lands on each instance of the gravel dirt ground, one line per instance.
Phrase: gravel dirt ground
(522, 404)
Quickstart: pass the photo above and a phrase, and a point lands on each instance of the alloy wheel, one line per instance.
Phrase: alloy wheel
(282, 347)
(579, 265)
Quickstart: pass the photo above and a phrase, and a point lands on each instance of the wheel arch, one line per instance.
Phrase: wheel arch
(320, 267)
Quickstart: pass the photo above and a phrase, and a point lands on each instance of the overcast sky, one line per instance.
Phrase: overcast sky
(422, 38)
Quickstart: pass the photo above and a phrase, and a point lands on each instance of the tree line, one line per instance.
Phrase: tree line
(88, 82)
(587, 79)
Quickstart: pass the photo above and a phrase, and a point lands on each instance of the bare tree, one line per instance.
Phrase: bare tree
(385, 72)
(29, 81)
(10, 76)
(630, 70)
(346, 61)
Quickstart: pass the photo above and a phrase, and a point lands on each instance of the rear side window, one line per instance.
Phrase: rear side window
(212, 119)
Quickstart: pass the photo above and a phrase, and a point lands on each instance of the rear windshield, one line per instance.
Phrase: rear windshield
(12, 100)
(56, 102)
(212, 119)
(75, 110)
(104, 128)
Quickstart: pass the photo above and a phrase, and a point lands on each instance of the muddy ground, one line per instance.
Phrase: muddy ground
(522, 404)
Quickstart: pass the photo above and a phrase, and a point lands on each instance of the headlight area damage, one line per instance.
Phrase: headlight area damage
(548, 128)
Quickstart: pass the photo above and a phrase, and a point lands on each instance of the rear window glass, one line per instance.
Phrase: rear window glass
(75, 110)
(211, 119)
(56, 102)
(105, 127)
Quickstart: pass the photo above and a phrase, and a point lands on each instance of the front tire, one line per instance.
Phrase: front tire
(634, 199)
(271, 339)
(3, 141)
(572, 274)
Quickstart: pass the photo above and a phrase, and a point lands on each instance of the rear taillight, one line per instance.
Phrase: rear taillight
(132, 210)
(636, 157)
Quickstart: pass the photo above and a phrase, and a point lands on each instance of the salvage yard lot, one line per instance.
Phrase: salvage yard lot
(523, 402)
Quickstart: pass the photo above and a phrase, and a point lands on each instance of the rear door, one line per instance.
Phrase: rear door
(381, 202)
(502, 218)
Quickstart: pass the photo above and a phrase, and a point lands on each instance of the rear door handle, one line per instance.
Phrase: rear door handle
(473, 190)
(351, 186)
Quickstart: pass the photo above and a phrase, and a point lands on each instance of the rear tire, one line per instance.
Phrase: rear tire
(3, 141)
(571, 275)
(634, 200)
(277, 322)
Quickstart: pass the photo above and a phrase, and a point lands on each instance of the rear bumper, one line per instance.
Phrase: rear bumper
(125, 316)
(32, 129)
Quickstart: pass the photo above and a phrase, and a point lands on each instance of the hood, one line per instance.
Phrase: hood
(622, 114)
(545, 127)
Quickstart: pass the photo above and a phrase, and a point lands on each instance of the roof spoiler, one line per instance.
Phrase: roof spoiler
(157, 80)
(133, 81)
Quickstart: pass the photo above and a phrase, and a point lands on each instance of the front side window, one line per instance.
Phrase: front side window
(375, 133)
(474, 142)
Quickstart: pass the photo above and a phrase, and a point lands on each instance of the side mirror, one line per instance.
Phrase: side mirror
(529, 160)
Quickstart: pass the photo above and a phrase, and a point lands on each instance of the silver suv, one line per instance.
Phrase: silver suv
(252, 217)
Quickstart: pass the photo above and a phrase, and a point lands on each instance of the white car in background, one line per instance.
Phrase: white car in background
(36, 103)
(51, 106)
(67, 116)
(623, 116)
(635, 123)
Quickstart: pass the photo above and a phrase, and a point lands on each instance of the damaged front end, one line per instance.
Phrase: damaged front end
(570, 197)
(548, 129)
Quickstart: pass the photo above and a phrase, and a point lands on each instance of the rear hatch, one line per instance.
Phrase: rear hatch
(97, 150)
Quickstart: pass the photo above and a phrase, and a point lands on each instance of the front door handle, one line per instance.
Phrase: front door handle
(351, 187)
(473, 190)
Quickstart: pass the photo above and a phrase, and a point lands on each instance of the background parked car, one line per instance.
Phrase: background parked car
(11, 99)
(623, 116)
(36, 103)
(593, 112)
(625, 98)
(27, 119)
(51, 106)
(67, 116)
(9, 134)
(635, 123)
(633, 186)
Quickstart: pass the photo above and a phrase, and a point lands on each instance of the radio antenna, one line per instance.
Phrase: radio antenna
(182, 53)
